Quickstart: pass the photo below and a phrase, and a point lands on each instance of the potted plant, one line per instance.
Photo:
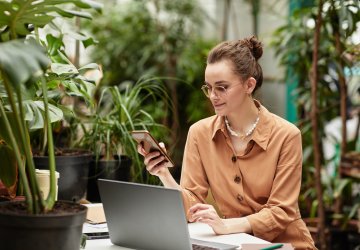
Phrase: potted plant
(119, 110)
(37, 222)
(66, 81)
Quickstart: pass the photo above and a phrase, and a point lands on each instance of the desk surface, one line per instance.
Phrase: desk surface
(197, 231)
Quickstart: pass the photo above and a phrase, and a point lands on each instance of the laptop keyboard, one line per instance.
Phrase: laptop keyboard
(200, 247)
(208, 245)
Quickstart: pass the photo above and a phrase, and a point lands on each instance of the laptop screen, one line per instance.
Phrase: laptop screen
(144, 217)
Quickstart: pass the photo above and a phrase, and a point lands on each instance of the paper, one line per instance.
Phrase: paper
(95, 214)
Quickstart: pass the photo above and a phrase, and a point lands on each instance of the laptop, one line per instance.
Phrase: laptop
(142, 216)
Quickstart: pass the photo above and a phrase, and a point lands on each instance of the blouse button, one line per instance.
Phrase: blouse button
(240, 198)
(237, 179)
(233, 159)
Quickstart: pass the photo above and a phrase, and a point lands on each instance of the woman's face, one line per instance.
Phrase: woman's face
(227, 92)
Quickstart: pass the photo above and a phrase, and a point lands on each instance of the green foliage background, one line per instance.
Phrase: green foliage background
(157, 38)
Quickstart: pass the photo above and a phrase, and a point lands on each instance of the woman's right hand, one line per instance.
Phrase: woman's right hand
(154, 161)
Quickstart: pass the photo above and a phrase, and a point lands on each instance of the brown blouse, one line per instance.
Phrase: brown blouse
(263, 184)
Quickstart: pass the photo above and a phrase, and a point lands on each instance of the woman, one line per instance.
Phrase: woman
(250, 158)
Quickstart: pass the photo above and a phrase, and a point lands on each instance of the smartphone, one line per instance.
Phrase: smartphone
(150, 144)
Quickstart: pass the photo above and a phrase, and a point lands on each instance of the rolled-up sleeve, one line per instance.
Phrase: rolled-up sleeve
(282, 205)
(194, 182)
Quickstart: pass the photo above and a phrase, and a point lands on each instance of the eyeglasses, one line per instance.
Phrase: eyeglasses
(219, 91)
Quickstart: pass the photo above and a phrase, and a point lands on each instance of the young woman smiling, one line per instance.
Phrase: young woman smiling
(250, 158)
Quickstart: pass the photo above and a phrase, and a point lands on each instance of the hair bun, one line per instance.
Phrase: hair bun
(255, 46)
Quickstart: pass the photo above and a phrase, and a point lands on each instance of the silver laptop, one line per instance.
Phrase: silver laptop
(148, 217)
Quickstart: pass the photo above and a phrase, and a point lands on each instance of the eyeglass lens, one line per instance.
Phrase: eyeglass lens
(218, 90)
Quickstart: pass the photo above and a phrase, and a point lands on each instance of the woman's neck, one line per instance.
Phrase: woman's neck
(243, 119)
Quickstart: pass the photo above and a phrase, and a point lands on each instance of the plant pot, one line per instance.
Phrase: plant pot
(56, 231)
(73, 167)
(112, 170)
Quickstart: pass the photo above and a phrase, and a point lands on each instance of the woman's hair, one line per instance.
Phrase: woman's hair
(244, 54)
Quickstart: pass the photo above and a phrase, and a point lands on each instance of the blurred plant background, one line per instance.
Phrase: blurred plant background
(337, 101)
(157, 38)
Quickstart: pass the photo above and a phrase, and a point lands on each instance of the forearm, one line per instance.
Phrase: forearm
(168, 180)
(237, 225)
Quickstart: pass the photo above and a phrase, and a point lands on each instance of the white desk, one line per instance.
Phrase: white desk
(197, 231)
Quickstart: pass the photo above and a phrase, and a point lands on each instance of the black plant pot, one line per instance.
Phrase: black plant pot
(60, 231)
(113, 170)
(73, 170)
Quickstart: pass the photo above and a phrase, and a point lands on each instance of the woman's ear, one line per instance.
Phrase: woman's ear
(250, 85)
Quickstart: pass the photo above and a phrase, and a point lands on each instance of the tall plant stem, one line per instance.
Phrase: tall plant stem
(315, 129)
(343, 94)
(16, 147)
(50, 200)
(29, 158)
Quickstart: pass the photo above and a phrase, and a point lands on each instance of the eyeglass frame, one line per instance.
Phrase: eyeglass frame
(205, 88)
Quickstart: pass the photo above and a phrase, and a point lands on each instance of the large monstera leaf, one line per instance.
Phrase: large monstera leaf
(18, 17)
(21, 61)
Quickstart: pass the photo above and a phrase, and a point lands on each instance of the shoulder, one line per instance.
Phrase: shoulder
(283, 127)
(206, 127)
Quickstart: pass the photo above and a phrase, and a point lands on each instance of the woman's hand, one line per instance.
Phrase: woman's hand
(207, 214)
(155, 162)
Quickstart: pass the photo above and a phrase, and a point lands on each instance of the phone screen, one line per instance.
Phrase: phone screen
(150, 144)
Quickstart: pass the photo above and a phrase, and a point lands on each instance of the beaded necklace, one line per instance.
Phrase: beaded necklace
(243, 136)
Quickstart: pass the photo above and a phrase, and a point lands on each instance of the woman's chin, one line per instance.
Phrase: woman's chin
(220, 112)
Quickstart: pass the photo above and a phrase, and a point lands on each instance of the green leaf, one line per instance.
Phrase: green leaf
(3, 133)
(55, 114)
(19, 61)
(53, 44)
(36, 120)
(73, 13)
(20, 14)
(340, 185)
(63, 69)
(88, 42)
(8, 170)
(86, 67)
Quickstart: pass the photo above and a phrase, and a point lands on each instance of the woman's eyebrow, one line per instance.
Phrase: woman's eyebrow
(217, 82)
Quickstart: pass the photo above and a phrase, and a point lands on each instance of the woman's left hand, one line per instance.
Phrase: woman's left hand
(207, 214)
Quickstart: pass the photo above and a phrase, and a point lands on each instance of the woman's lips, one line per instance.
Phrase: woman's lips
(217, 106)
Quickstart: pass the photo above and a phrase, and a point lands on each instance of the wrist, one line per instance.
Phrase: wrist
(168, 180)
(237, 225)
(227, 227)
(164, 174)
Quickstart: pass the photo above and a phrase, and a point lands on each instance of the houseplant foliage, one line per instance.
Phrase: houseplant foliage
(44, 20)
(157, 38)
(118, 111)
(25, 67)
(316, 44)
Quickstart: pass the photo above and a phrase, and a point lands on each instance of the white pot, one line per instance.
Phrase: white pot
(43, 179)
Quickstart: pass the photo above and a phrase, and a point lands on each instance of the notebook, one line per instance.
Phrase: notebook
(142, 216)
